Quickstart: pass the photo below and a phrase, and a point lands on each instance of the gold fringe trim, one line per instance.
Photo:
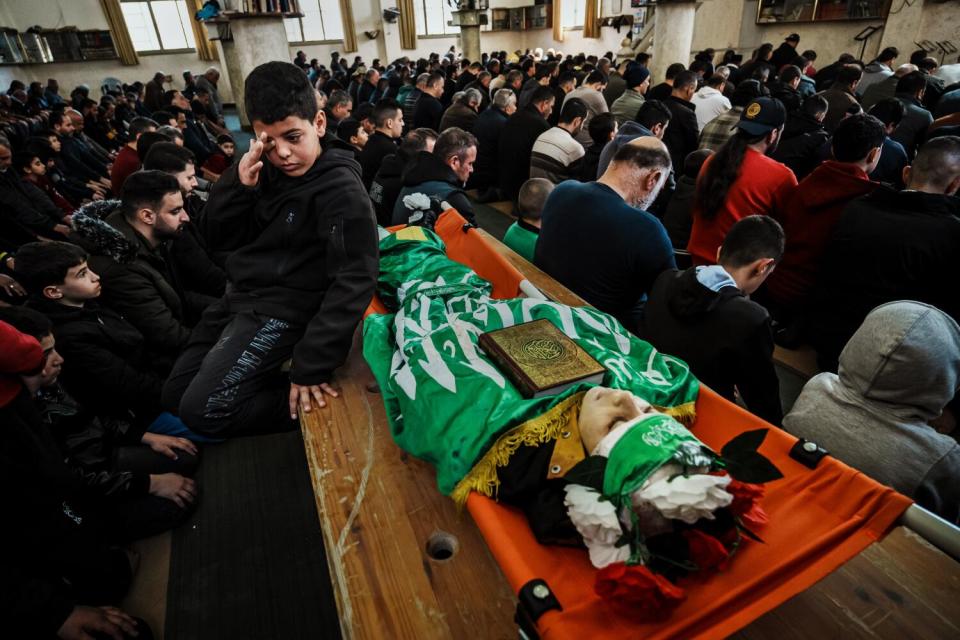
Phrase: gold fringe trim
(684, 413)
(483, 477)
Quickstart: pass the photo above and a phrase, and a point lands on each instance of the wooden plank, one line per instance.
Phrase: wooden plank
(505, 207)
(378, 508)
(147, 597)
(899, 588)
(547, 285)
(802, 361)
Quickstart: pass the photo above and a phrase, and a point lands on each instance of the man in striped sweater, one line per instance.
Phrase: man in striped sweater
(556, 153)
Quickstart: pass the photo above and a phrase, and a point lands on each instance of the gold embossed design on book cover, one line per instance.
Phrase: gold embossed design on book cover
(544, 354)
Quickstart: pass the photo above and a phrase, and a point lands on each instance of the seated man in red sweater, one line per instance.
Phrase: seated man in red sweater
(812, 213)
(127, 160)
(740, 180)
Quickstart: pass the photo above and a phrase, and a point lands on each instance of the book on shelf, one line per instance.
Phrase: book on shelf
(539, 359)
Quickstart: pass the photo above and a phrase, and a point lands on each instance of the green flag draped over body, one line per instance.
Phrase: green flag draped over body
(447, 402)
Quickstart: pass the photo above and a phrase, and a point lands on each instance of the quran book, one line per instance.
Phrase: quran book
(539, 359)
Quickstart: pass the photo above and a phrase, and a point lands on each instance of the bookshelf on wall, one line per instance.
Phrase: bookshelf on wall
(538, 16)
(802, 11)
(45, 46)
(252, 8)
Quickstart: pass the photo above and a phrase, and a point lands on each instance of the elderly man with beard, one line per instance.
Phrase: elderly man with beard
(610, 257)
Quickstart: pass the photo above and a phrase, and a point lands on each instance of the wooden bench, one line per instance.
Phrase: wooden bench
(403, 561)
(385, 523)
(801, 361)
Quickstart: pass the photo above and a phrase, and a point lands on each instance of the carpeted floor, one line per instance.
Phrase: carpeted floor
(250, 564)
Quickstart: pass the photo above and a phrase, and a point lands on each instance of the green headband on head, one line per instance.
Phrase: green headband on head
(653, 441)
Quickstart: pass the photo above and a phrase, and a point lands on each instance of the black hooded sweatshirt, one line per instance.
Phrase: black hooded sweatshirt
(386, 185)
(106, 367)
(305, 250)
(804, 144)
(724, 336)
(427, 174)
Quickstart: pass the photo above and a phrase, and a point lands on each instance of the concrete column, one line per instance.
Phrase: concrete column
(255, 41)
(672, 36)
(469, 21)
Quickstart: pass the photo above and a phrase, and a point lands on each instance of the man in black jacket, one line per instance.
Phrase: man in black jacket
(440, 176)
(195, 269)
(78, 160)
(388, 120)
(194, 137)
(704, 316)
(784, 88)
(487, 130)
(805, 143)
(303, 269)
(785, 53)
(892, 245)
(517, 137)
(388, 182)
(129, 252)
(410, 103)
(429, 109)
(683, 134)
(24, 204)
(369, 86)
(134, 503)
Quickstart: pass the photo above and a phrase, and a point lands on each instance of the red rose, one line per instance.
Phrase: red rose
(746, 502)
(637, 592)
(706, 551)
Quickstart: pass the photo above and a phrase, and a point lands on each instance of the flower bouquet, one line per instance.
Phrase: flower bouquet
(653, 505)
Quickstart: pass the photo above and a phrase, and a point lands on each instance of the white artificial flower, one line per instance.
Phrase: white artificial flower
(596, 521)
(602, 555)
(687, 498)
(417, 201)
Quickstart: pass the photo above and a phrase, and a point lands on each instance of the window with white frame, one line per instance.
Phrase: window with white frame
(158, 25)
(571, 13)
(432, 18)
(320, 22)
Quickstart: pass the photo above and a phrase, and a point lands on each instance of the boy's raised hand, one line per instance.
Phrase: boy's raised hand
(251, 162)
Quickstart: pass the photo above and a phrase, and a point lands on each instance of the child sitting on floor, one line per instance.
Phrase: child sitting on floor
(352, 132)
(219, 162)
(33, 169)
(105, 370)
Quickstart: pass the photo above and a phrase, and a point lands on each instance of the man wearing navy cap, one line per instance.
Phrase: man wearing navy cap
(627, 105)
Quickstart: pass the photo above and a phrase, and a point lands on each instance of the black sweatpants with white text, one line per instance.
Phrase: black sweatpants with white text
(229, 380)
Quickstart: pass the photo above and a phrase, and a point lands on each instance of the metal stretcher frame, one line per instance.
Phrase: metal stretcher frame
(932, 528)
(380, 512)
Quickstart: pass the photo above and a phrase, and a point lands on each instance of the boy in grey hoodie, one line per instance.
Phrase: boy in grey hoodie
(897, 374)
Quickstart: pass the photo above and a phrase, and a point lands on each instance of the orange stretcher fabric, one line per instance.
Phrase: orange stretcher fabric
(819, 519)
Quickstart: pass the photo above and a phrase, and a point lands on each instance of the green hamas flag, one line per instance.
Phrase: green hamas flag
(447, 402)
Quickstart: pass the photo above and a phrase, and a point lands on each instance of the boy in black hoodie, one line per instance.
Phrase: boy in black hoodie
(303, 268)
(704, 316)
(107, 369)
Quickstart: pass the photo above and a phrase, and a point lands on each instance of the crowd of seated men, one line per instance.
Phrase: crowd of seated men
(816, 207)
